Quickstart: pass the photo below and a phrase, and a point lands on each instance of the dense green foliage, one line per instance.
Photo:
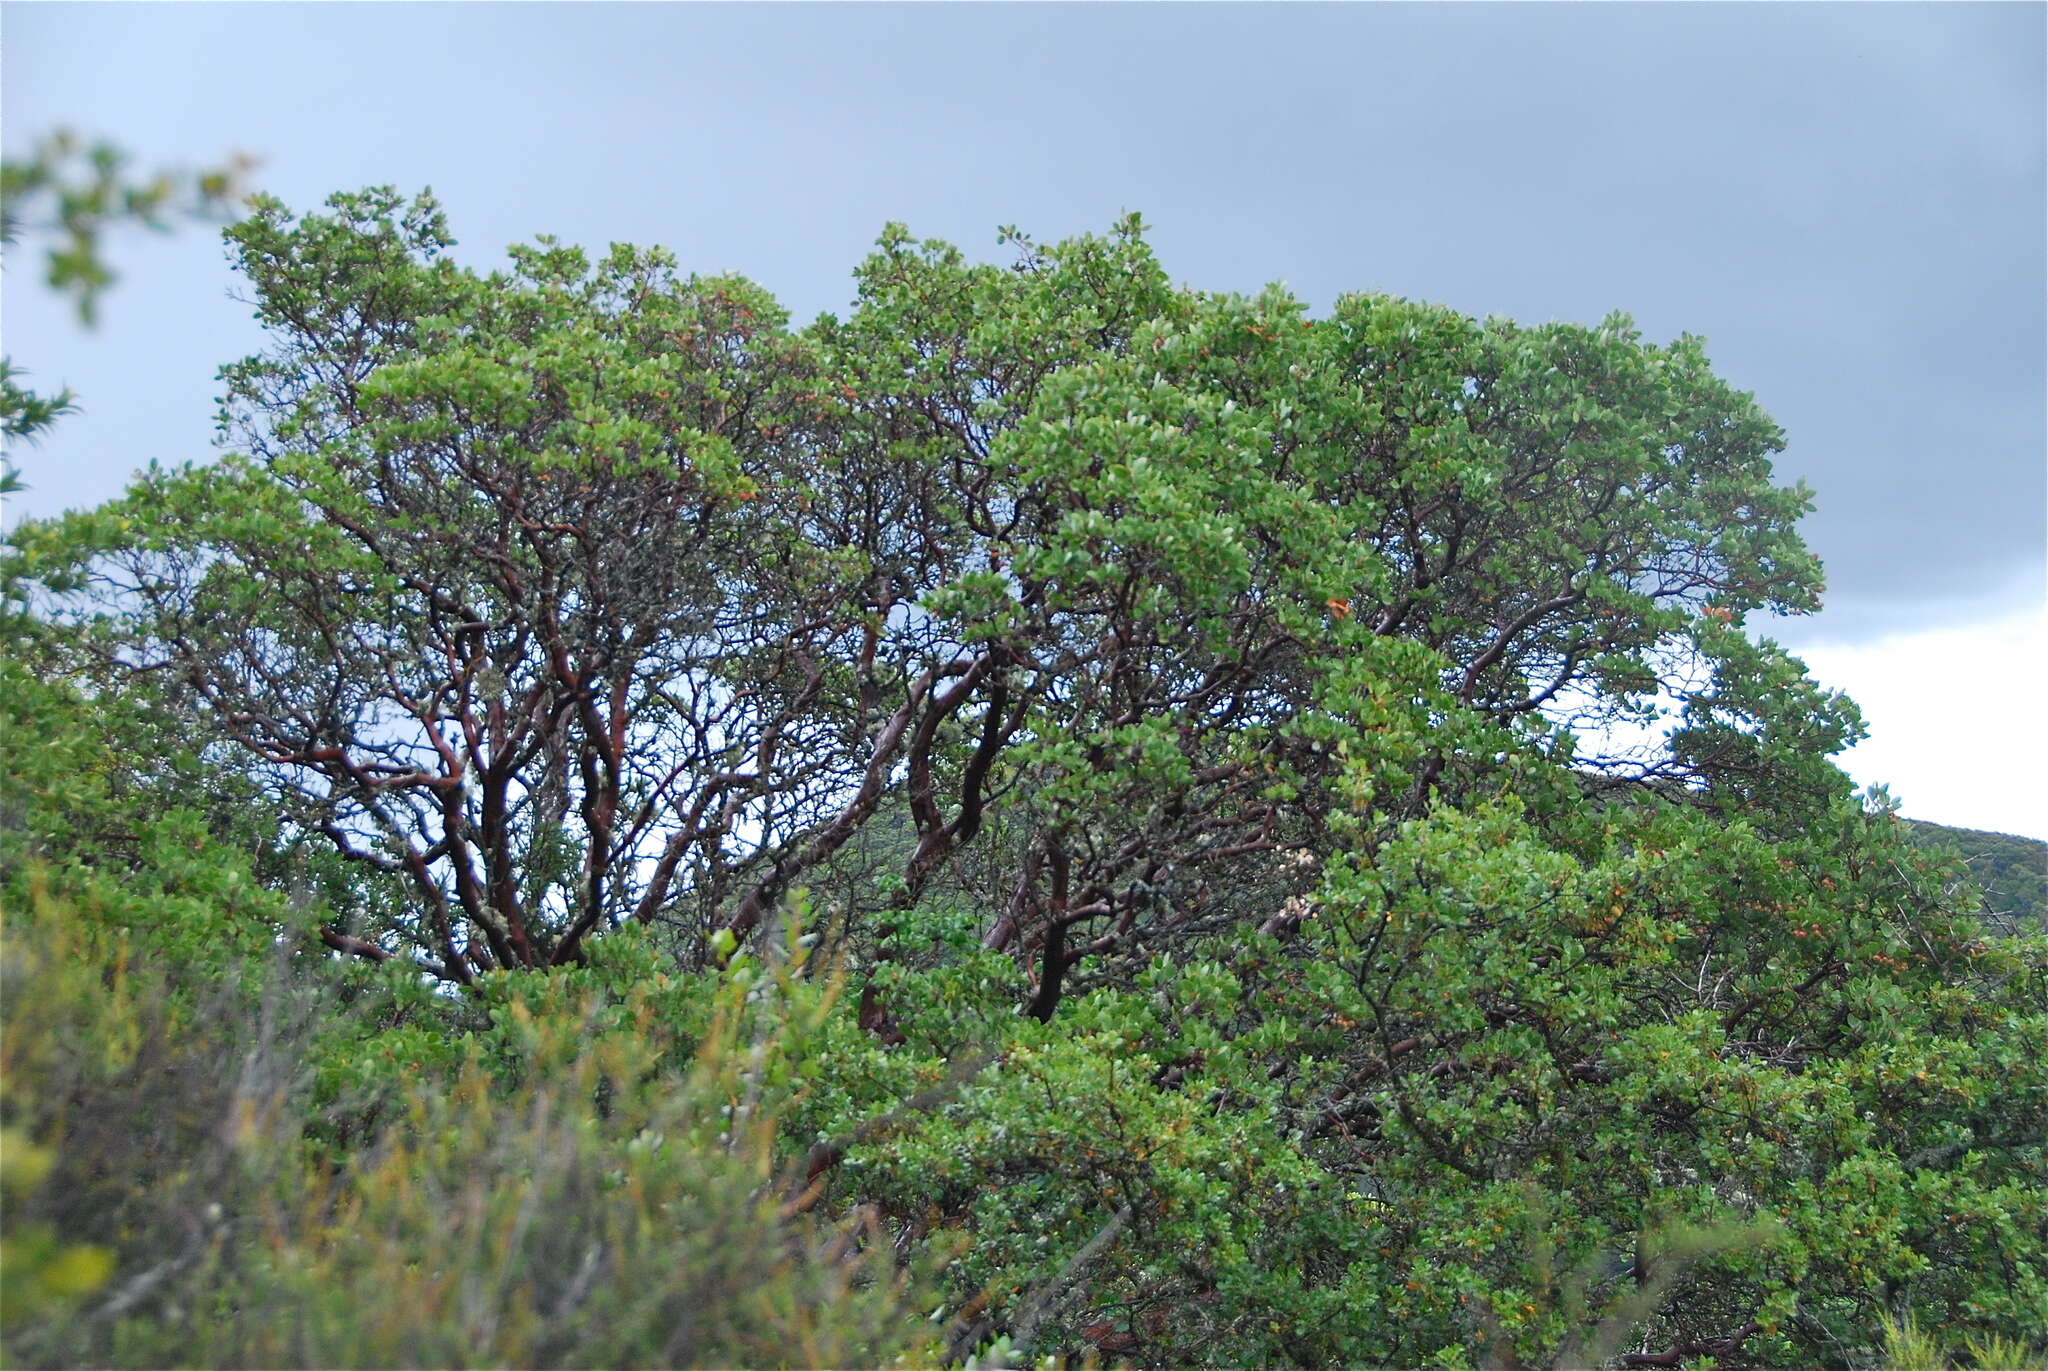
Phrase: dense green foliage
(460, 809)
(2011, 871)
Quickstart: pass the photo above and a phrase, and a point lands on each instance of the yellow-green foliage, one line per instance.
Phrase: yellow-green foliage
(38, 1273)
(1908, 1347)
(559, 1196)
(62, 990)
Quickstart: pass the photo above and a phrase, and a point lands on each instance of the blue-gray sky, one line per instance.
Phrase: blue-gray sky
(1847, 200)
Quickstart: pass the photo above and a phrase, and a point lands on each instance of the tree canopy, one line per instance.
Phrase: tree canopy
(1185, 721)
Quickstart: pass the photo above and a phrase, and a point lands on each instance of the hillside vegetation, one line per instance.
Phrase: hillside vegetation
(2011, 872)
(1044, 817)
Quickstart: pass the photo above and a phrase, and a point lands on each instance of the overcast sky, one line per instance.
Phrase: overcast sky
(1846, 200)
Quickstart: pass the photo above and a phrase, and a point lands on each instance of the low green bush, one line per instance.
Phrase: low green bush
(197, 1178)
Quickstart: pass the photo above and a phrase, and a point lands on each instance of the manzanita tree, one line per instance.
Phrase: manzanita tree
(584, 592)
(1211, 682)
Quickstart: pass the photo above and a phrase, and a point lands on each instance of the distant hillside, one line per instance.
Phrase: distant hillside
(2012, 871)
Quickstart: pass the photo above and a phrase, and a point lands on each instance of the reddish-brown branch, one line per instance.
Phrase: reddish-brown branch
(831, 836)
(355, 947)
(1716, 1348)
